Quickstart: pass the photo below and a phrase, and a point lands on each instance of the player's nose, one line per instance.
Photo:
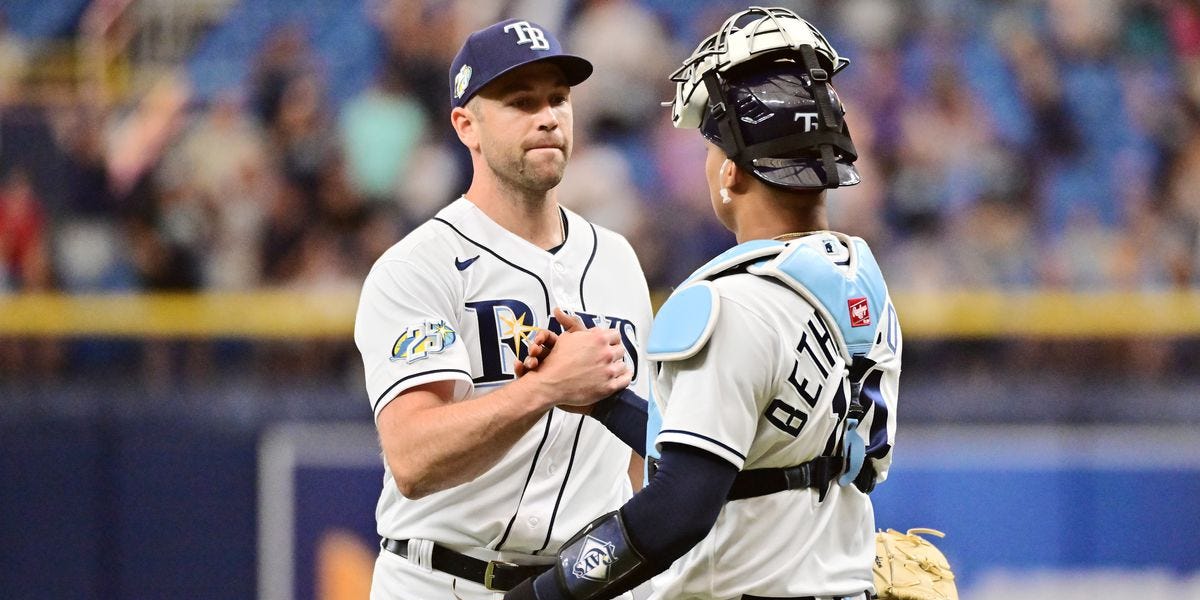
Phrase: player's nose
(547, 118)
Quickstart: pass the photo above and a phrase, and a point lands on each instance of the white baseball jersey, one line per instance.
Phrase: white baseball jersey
(458, 299)
(768, 390)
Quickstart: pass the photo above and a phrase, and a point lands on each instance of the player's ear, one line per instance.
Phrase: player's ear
(466, 125)
(732, 176)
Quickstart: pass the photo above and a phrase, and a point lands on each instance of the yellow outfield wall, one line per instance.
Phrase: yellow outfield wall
(290, 314)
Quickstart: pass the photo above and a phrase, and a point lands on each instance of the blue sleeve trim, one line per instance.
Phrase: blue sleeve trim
(407, 377)
(707, 439)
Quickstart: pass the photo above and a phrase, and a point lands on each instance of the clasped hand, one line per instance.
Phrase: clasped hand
(586, 365)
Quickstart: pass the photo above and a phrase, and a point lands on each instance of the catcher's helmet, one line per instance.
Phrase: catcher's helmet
(759, 89)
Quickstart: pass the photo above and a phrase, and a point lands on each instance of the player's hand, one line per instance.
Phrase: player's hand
(537, 349)
(586, 365)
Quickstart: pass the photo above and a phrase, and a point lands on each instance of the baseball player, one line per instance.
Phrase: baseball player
(484, 477)
(777, 362)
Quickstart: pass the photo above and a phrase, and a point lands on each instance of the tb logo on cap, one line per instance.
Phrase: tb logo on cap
(528, 34)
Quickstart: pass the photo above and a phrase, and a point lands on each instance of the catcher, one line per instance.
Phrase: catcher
(777, 363)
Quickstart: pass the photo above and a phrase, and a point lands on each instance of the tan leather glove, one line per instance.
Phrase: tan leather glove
(909, 567)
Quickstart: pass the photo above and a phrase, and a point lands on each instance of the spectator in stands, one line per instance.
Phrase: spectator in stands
(380, 131)
(14, 58)
(623, 98)
(223, 158)
(285, 57)
(24, 261)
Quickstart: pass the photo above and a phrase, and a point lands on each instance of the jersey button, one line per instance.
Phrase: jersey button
(559, 268)
(533, 522)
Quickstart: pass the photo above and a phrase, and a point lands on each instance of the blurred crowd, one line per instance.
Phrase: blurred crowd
(1013, 145)
(1034, 144)
(1026, 144)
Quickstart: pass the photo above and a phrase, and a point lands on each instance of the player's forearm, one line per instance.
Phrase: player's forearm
(432, 445)
(662, 522)
(624, 414)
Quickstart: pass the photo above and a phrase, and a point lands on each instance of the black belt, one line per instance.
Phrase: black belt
(494, 575)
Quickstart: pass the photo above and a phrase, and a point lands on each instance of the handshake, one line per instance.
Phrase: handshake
(586, 366)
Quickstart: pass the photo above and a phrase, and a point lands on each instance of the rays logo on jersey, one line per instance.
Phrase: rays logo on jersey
(506, 327)
(594, 559)
(421, 340)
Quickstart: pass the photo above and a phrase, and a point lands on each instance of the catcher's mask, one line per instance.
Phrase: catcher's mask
(759, 88)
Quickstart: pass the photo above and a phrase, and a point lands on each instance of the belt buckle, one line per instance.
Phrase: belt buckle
(489, 574)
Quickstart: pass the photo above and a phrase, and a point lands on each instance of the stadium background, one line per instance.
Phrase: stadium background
(192, 191)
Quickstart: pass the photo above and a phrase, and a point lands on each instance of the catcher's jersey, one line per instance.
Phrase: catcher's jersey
(764, 392)
(457, 299)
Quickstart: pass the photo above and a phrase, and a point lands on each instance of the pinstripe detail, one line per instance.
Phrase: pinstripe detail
(545, 290)
(532, 465)
(595, 245)
(561, 490)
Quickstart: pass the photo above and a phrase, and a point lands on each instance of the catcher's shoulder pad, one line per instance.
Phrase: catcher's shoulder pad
(684, 323)
(746, 252)
(853, 297)
(686, 320)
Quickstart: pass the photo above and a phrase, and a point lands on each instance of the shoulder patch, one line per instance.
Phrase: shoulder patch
(684, 323)
(421, 340)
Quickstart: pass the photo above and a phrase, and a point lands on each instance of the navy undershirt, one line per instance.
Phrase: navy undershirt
(669, 516)
(624, 414)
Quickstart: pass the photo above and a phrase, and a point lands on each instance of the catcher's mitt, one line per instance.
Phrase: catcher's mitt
(909, 567)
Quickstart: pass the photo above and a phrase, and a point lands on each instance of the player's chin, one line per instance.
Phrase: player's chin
(546, 158)
(545, 174)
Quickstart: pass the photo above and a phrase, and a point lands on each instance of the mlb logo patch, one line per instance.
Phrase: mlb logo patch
(860, 313)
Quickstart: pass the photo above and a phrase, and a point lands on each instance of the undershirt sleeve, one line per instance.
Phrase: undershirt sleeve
(673, 513)
(624, 414)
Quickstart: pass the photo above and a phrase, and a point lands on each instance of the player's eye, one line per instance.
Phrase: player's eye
(525, 102)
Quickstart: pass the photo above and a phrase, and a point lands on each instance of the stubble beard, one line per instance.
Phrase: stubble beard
(527, 177)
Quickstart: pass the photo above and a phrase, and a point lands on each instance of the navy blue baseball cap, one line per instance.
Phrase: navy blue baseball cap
(500, 48)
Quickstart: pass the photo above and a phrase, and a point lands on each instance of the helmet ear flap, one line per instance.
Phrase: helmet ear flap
(729, 135)
(828, 119)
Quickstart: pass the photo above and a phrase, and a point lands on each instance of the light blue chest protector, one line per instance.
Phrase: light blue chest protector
(849, 298)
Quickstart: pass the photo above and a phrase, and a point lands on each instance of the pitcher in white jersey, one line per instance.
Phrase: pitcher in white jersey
(777, 363)
(485, 474)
